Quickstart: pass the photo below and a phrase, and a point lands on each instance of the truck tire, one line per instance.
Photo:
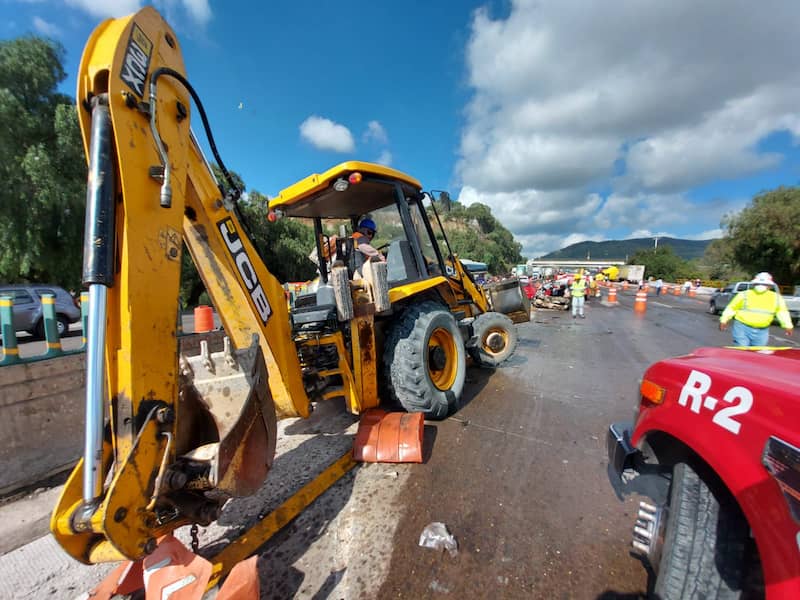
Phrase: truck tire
(495, 339)
(425, 360)
(712, 307)
(706, 542)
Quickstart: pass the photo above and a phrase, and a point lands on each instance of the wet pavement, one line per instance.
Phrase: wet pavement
(518, 475)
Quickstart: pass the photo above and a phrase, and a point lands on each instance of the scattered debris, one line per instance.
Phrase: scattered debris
(436, 536)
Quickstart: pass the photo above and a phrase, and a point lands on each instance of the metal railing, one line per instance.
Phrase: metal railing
(11, 355)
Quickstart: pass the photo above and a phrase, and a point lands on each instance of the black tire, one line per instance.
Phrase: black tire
(424, 363)
(712, 308)
(706, 542)
(496, 339)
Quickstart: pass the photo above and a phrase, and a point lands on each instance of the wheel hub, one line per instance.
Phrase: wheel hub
(437, 359)
(495, 341)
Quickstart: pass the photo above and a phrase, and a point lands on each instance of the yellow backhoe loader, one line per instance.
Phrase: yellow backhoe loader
(170, 438)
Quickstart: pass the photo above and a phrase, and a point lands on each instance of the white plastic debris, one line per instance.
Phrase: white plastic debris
(436, 536)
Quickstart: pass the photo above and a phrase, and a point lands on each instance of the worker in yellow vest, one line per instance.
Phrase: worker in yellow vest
(578, 292)
(753, 311)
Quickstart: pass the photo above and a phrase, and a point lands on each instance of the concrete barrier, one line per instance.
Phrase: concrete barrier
(41, 419)
(42, 414)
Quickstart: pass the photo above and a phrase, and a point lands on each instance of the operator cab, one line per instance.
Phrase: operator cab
(336, 201)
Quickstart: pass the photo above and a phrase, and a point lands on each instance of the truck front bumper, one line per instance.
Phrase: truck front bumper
(620, 450)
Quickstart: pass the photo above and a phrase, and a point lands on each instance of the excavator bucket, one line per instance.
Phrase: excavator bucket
(393, 437)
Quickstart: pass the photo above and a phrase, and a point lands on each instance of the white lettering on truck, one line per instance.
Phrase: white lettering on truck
(738, 397)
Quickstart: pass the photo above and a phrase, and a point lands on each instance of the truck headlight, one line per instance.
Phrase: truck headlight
(782, 460)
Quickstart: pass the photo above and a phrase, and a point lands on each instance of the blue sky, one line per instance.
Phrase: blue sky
(572, 120)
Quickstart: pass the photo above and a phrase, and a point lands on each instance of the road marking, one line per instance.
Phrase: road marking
(662, 304)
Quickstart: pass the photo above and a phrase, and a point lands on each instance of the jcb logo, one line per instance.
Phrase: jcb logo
(137, 60)
(245, 267)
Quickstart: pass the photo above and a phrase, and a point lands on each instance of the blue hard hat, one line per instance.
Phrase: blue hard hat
(368, 224)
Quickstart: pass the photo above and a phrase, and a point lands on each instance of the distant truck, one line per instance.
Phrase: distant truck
(720, 298)
(631, 273)
(715, 448)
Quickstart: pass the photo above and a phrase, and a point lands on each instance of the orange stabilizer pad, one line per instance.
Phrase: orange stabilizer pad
(392, 437)
(175, 572)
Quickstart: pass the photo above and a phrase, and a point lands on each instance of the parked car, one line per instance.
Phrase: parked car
(720, 298)
(27, 308)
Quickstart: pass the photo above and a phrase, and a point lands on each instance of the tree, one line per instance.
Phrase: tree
(474, 233)
(765, 236)
(663, 263)
(284, 244)
(42, 167)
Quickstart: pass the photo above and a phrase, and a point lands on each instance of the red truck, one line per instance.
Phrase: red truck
(715, 448)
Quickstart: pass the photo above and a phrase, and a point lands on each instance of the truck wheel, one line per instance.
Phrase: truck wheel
(706, 542)
(425, 362)
(62, 325)
(495, 339)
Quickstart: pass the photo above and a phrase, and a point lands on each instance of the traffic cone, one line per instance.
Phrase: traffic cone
(624, 286)
(640, 303)
(612, 295)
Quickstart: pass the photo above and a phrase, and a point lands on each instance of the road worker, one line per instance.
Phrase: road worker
(753, 311)
(578, 293)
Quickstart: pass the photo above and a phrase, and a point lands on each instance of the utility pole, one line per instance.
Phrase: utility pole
(655, 240)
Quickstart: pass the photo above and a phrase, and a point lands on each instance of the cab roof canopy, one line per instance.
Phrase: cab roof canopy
(315, 195)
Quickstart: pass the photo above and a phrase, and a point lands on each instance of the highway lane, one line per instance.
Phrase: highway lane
(517, 474)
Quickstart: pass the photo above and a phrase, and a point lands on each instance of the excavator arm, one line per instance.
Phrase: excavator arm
(168, 438)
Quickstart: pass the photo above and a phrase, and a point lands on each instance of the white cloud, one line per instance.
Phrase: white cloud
(46, 28)
(644, 99)
(327, 135)
(108, 8)
(198, 10)
(375, 132)
(385, 158)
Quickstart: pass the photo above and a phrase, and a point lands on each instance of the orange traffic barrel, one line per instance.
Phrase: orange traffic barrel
(665, 290)
(676, 291)
(203, 319)
(640, 303)
(612, 295)
(692, 292)
(625, 285)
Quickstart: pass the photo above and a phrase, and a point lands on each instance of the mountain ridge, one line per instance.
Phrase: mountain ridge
(624, 249)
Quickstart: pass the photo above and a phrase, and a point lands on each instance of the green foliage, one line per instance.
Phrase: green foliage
(765, 236)
(42, 167)
(476, 234)
(662, 262)
(284, 245)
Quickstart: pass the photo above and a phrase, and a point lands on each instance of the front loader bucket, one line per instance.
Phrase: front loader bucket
(508, 298)
(393, 437)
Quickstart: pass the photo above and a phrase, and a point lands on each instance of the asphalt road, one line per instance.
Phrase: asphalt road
(517, 474)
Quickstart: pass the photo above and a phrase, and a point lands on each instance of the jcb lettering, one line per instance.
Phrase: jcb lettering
(245, 268)
(738, 397)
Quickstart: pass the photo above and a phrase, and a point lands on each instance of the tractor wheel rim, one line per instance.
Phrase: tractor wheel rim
(442, 372)
(495, 340)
